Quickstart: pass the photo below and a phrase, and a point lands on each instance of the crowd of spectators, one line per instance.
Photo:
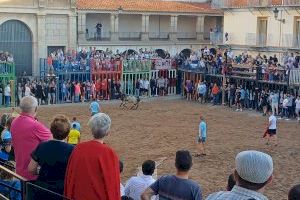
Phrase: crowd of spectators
(217, 61)
(283, 104)
(91, 170)
(6, 57)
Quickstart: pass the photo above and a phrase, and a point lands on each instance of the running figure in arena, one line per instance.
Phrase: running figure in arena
(272, 126)
(201, 138)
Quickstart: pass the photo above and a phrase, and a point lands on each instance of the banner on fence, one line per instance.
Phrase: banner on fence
(162, 64)
(137, 65)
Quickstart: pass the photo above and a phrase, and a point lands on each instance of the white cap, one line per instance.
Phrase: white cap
(254, 166)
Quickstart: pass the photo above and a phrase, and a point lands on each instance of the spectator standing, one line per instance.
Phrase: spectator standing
(39, 92)
(93, 171)
(202, 91)
(27, 133)
(274, 102)
(7, 93)
(215, 92)
(176, 186)
(253, 172)
(201, 137)
(74, 135)
(138, 184)
(94, 107)
(52, 157)
(137, 88)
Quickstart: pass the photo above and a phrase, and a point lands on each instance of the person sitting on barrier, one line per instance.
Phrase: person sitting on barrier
(13, 193)
(49, 160)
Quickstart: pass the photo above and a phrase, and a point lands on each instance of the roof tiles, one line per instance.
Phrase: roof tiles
(147, 5)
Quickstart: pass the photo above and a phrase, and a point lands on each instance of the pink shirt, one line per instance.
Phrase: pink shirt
(27, 133)
(77, 89)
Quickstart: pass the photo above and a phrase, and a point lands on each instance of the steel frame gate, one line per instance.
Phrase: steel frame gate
(134, 70)
(72, 76)
(170, 74)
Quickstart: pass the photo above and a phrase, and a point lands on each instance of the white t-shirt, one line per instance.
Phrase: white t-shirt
(7, 91)
(146, 84)
(27, 91)
(297, 103)
(272, 121)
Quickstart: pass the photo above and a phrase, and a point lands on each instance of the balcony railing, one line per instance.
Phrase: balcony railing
(216, 37)
(129, 35)
(101, 36)
(253, 3)
(186, 35)
(158, 35)
(261, 40)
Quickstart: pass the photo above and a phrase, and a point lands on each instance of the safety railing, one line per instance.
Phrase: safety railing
(159, 35)
(137, 65)
(7, 69)
(98, 36)
(294, 77)
(105, 65)
(225, 4)
(129, 35)
(186, 35)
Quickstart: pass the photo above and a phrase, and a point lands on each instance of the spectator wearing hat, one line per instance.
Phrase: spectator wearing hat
(176, 186)
(254, 171)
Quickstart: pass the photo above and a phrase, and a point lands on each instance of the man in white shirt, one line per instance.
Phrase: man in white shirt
(138, 184)
(7, 94)
(161, 86)
(272, 126)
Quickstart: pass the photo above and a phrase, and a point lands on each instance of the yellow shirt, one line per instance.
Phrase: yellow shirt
(74, 136)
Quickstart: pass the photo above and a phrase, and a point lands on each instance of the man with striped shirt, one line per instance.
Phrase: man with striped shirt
(138, 184)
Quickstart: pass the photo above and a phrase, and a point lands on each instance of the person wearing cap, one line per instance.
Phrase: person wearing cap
(253, 172)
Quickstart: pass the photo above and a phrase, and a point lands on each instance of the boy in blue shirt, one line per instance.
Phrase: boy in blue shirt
(94, 107)
(77, 124)
(201, 137)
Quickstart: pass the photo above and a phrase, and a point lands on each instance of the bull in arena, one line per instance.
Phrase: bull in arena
(129, 100)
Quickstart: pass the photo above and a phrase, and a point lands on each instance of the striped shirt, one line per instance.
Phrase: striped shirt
(237, 193)
(137, 185)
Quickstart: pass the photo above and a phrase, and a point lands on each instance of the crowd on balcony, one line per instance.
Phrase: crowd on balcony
(6, 59)
(49, 159)
(217, 61)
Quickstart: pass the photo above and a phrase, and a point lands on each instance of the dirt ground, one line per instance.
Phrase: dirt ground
(159, 128)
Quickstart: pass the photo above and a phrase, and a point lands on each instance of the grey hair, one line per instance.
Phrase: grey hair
(100, 125)
(28, 104)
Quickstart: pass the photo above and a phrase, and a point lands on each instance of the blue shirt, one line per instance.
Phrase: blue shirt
(202, 129)
(95, 107)
(77, 126)
(6, 135)
(202, 89)
(275, 98)
(12, 194)
(243, 93)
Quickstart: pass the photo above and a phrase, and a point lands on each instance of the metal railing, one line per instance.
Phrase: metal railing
(159, 35)
(186, 35)
(129, 35)
(101, 36)
(223, 4)
(216, 37)
(7, 68)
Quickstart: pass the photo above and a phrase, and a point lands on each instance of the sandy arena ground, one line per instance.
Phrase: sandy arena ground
(159, 128)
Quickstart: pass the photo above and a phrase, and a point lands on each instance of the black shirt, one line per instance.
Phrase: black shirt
(53, 158)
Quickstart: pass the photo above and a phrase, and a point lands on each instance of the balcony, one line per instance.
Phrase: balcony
(94, 36)
(130, 35)
(225, 4)
(186, 36)
(296, 42)
(261, 40)
(159, 35)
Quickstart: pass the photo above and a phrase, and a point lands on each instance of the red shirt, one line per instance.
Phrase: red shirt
(27, 133)
(104, 84)
(93, 173)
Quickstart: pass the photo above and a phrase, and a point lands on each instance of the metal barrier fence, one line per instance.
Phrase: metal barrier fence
(28, 190)
(294, 77)
(7, 77)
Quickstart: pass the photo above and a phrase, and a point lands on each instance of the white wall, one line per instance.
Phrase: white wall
(159, 23)
(57, 30)
(93, 19)
(130, 23)
(186, 24)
